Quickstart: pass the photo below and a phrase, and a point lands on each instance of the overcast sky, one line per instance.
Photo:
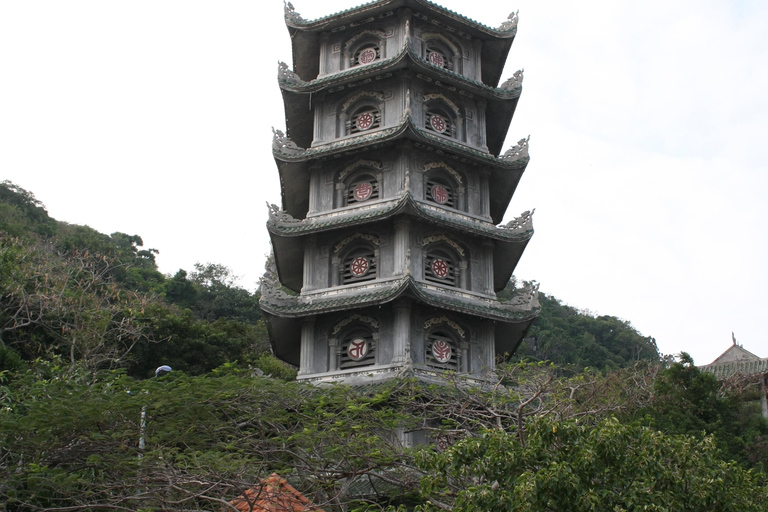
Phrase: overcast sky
(648, 125)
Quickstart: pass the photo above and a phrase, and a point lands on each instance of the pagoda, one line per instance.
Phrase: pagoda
(388, 249)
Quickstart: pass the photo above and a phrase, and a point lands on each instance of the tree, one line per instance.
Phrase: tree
(576, 467)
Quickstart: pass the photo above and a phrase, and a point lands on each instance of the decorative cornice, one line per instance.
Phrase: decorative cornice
(442, 238)
(371, 238)
(279, 216)
(518, 151)
(281, 143)
(523, 223)
(442, 165)
(370, 94)
(359, 163)
(516, 82)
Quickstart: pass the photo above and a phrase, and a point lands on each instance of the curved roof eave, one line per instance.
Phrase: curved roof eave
(521, 308)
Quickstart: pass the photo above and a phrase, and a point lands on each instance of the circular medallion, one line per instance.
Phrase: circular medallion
(436, 59)
(441, 351)
(364, 120)
(357, 349)
(439, 268)
(363, 191)
(437, 123)
(440, 194)
(367, 56)
(359, 266)
(442, 444)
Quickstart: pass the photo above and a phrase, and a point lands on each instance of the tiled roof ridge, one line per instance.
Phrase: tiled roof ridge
(275, 494)
(519, 229)
(285, 149)
(507, 29)
(521, 307)
(288, 80)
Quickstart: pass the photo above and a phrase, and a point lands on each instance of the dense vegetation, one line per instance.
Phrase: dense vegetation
(85, 318)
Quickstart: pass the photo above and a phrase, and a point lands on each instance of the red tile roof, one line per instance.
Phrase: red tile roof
(274, 495)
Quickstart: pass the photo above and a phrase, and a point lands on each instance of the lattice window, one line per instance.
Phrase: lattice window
(359, 265)
(440, 267)
(439, 122)
(441, 351)
(358, 349)
(440, 192)
(361, 190)
(365, 54)
(366, 118)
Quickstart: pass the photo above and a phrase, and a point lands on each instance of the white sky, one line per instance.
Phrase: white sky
(647, 123)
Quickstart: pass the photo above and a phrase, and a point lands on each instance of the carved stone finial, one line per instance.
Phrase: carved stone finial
(514, 82)
(278, 215)
(522, 223)
(290, 12)
(281, 142)
(287, 75)
(511, 22)
(519, 150)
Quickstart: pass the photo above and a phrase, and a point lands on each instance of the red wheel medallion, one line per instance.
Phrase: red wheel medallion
(367, 56)
(440, 194)
(357, 349)
(363, 191)
(436, 59)
(437, 123)
(441, 351)
(439, 268)
(359, 266)
(364, 121)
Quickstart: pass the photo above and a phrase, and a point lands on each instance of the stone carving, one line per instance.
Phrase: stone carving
(510, 23)
(517, 151)
(514, 82)
(371, 94)
(522, 223)
(291, 14)
(373, 239)
(407, 110)
(376, 33)
(444, 320)
(287, 75)
(278, 215)
(359, 163)
(438, 96)
(438, 238)
(281, 142)
(270, 285)
(366, 319)
(443, 165)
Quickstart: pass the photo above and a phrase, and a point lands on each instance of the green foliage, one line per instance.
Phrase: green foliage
(21, 212)
(565, 336)
(568, 466)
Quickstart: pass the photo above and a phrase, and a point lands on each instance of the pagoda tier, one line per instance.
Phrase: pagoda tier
(392, 192)
(311, 58)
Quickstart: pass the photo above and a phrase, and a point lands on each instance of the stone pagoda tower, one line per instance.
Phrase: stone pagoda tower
(387, 250)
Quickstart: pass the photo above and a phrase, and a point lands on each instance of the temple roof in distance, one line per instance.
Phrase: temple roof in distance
(305, 33)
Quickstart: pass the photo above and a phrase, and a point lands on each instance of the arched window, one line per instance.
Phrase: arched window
(440, 191)
(365, 54)
(438, 120)
(440, 267)
(442, 351)
(366, 117)
(358, 265)
(442, 52)
(360, 188)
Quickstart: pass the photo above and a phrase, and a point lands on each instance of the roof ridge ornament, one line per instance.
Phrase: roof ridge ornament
(522, 223)
(519, 150)
(282, 143)
(514, 82)
(278, 215)
(510, 23)
(291, 14)
(287, 75)
(528, 296)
